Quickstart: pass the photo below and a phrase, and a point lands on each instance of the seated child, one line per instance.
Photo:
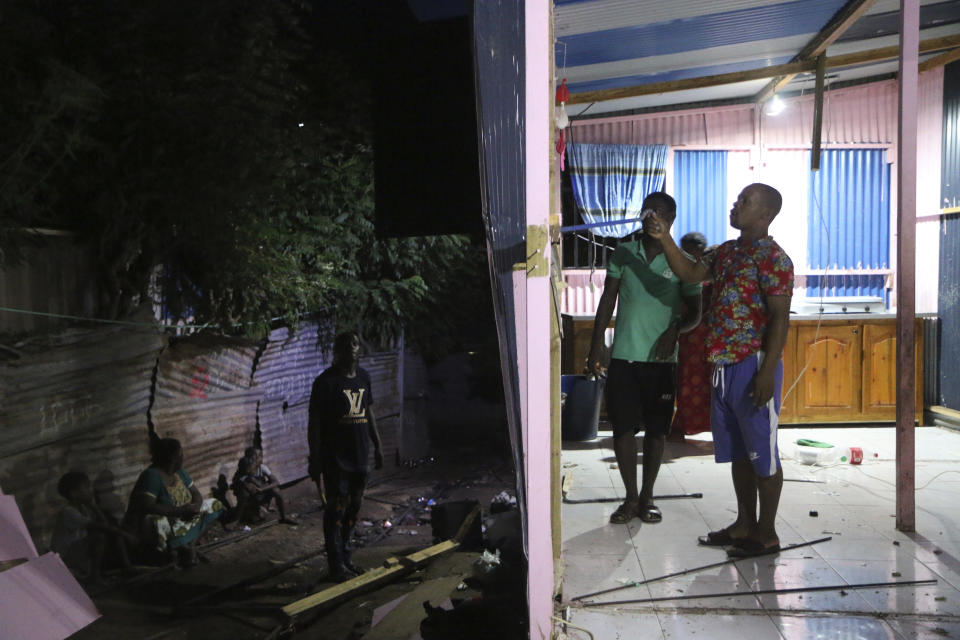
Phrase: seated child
(254, 486)
(83, 532)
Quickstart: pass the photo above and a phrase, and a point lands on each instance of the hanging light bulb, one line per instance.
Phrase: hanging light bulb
(775, 106)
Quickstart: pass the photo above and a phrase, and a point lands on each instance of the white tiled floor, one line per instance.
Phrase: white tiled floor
(853, 504)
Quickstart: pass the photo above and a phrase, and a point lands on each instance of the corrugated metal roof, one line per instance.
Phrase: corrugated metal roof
(604, 44)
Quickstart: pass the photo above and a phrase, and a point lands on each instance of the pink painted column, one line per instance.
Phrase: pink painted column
(906, 261)
(536, 410)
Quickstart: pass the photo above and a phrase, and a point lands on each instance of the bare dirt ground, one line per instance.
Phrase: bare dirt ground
(247, 577)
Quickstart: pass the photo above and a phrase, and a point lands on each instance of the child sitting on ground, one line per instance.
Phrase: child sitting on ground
(83, 531)
(255, 486)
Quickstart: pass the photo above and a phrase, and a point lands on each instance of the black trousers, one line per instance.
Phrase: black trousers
(344, 493)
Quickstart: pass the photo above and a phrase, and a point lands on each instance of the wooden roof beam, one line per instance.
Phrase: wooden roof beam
(845, 60)
(938, 61)
(840, 22)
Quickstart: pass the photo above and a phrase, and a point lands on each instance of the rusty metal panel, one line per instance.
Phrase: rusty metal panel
(203, 398)
(75, 400)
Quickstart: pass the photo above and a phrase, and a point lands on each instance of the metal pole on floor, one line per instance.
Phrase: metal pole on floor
(695, 569)
(765, 592)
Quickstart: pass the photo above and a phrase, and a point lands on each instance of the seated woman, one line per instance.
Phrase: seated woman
(166, 509)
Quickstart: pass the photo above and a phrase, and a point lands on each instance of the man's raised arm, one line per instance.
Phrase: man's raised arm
(685, 267)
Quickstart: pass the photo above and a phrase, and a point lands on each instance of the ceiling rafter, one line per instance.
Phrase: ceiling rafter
(842, 21)
(938, 61)
(845, 60)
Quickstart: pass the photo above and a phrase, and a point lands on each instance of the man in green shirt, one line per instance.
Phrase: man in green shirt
(653, 308)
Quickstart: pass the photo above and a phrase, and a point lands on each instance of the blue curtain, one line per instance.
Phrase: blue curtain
(610, 182)
(700, 187)
(849, 222)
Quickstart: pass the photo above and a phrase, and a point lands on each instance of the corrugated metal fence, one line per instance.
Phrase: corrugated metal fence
(950, 312)
(80, 399)
(950, 169)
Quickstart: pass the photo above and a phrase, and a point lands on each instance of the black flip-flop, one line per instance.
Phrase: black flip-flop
(650, 513)
(720, 538)
(750, 548)
(624, 514)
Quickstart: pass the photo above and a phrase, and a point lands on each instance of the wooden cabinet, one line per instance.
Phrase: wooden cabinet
(844, 371)
(831, 382)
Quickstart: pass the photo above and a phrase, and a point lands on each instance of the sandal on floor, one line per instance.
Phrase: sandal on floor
(750, 548)
(720, 538)
(650, 513)
(625, 513)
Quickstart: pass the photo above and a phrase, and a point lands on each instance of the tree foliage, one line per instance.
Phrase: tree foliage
(216, 155)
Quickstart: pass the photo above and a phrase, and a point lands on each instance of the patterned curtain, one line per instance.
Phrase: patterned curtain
(610, 182)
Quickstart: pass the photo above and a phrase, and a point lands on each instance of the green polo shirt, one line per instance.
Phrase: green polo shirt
(650, 298)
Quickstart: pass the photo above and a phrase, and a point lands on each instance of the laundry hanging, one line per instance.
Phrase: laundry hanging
(610, 182)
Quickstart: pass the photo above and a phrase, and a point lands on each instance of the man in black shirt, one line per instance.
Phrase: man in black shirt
(341, 429)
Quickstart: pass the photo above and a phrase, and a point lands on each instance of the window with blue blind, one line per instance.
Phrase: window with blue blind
(700, 188)
(849, 224)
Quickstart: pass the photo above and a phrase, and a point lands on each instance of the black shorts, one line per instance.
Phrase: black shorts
(640, 396)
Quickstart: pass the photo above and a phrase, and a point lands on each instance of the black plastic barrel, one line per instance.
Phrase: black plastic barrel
(581, 407)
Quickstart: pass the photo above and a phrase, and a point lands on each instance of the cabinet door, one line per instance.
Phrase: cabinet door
(788, 411)
(880, 371)
(829, 389)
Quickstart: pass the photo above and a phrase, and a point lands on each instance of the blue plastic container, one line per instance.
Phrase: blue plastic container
(581, 407)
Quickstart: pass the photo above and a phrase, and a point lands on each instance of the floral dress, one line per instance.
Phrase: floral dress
(167, 532)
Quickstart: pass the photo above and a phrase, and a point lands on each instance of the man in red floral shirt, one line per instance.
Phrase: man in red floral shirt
(746, 331)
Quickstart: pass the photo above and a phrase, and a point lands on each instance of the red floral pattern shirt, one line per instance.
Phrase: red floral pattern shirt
(744, 275)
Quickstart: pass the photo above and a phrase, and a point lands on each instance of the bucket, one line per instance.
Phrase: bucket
(581, 406)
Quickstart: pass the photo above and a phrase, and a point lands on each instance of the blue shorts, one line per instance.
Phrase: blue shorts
(742, 431)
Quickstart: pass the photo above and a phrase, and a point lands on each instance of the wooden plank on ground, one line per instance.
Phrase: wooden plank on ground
(380, 575)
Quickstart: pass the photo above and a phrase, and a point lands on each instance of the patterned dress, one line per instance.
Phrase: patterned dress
(693, 377)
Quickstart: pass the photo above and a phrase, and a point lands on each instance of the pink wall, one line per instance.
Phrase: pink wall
(536, 309)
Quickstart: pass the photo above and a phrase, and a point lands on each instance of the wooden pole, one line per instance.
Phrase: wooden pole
(906, 262)
(843, 20)
(818, 113)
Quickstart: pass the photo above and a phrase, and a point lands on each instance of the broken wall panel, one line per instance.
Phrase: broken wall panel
(203, 398)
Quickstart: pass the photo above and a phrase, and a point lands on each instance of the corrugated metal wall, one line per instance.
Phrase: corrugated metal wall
(58, 278)
(950, 311)
(79, 399)
(700, 187)
(284, 376)
(950, 170)
(849, 217)
(283, 379)
(75, 400)
(731, 126)
(203, 398)
(860, 115)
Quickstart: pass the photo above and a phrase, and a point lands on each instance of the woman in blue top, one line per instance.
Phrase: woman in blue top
(166, 509)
